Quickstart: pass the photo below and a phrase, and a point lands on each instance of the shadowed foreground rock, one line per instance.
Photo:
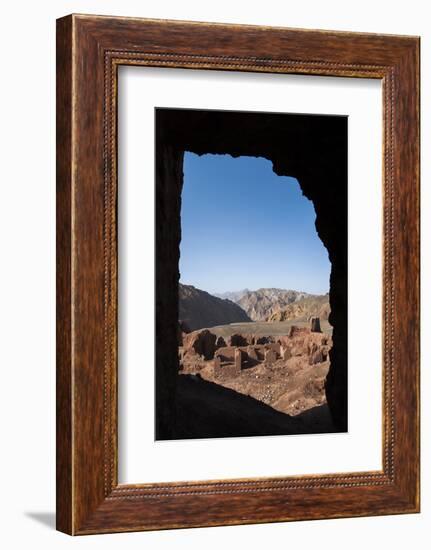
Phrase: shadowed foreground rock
(207, 410)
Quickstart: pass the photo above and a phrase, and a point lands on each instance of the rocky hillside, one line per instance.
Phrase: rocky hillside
(303, 309)
(198, 309)
(262, 304)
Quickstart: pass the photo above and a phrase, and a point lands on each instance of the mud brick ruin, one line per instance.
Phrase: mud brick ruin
(230, 360)
(242, 351)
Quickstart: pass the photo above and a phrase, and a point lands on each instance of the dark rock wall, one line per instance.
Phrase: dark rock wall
(169, 181)
(311, 148)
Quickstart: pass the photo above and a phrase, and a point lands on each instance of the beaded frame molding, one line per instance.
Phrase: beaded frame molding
(89, 51)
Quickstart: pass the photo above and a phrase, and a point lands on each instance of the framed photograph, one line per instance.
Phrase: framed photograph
(237, 274)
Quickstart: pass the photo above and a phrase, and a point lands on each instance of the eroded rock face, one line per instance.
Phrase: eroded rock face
(311, 149)
(263, 303)
(303, 309)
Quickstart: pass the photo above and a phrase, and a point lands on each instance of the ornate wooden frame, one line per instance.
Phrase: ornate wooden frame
(89, 50)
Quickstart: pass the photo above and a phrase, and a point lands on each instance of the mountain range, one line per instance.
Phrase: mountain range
(232, 296)
(199, 309)
(303, 309)
(276, 304)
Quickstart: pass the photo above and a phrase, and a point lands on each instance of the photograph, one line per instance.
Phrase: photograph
(255, 330)
(215, 275)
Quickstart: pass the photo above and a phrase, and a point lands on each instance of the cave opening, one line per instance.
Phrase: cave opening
(245, 227)
(310, 148)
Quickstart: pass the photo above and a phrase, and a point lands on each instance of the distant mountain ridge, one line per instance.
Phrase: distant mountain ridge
(232, 296)
(199, 309)
(276, 304)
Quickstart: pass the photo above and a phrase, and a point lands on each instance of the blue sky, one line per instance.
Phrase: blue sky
(245, 227)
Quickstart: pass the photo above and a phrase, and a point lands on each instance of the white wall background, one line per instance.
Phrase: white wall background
(27, 289)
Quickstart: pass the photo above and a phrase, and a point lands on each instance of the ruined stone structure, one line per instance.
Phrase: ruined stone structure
(311, 149)
(315, 324)
(226, 368)
(231, 359)
(201, 348)
(202, 342)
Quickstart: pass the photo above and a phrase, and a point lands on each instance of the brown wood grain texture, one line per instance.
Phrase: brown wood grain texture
(64, 497)
(89, 51)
